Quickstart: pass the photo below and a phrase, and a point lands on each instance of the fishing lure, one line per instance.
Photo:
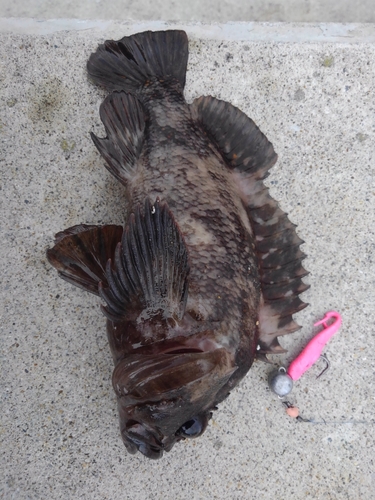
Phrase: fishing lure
(206, 272)
(281, 382)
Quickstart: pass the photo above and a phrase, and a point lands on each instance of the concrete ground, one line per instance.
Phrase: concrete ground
(343, 11)
(311, 90)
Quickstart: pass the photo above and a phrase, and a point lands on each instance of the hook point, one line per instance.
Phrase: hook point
(323, 356)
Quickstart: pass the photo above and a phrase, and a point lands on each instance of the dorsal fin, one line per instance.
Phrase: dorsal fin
(148, 276)
(250, 155)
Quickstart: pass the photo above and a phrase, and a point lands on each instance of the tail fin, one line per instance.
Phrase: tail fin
(131, 62)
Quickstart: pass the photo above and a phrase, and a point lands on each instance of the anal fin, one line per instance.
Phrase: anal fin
(123, 118)
(81, 253)
(249, 155)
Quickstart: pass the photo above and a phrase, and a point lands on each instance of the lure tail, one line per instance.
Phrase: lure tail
(134, 61)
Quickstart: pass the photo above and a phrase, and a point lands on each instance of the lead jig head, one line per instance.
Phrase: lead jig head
(280, 382)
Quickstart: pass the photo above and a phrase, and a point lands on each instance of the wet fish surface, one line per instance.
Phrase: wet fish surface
(206, 273)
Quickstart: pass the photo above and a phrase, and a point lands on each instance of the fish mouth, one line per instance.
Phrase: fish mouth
(148, 450)
(152, 443)
(162, 397)
(137, 437)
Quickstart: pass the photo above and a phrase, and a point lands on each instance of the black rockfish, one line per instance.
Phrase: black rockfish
(206, 273)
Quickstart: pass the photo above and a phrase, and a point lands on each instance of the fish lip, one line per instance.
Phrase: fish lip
(141, 437)
(146, 443)
(150, 451)
(153, 451)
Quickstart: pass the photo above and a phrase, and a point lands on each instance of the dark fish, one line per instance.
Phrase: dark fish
(206, 273)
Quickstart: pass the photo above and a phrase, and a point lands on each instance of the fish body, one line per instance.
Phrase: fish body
(206, 272)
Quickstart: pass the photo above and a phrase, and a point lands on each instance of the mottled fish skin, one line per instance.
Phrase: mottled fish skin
(207, 268)
(181, 166)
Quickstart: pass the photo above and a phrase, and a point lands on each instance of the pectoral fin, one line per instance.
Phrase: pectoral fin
(149, 273)
(141, 378)
(81, 253)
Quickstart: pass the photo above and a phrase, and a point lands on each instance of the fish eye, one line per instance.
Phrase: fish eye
(193, 427)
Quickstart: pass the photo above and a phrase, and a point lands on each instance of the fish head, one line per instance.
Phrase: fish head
(168, 397)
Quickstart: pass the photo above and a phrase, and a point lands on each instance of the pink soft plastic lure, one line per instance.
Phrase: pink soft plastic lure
(313, 350)
(281, 382)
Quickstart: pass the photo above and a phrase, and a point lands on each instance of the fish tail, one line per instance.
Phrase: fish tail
(134, 61)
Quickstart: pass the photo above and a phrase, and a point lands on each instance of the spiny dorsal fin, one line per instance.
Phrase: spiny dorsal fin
(123, 118)
(148, 276)
(250, 155)
(81, 253)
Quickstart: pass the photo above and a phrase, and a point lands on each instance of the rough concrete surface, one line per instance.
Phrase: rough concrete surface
(59, 428)
(360, 11)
